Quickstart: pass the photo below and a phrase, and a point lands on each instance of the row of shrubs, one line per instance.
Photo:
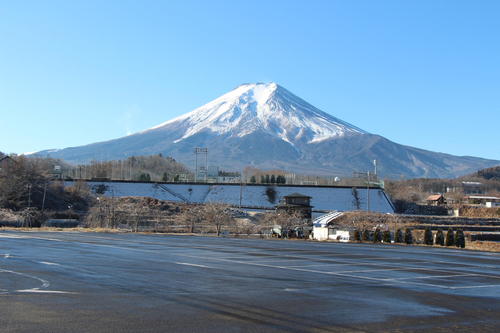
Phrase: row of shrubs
(452, 238)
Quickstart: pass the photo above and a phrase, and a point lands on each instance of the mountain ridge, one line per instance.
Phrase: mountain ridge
(266, 126)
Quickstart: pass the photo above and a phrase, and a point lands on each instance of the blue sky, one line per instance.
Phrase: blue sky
(421, 73)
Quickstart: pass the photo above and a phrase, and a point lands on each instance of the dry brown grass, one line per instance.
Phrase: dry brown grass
(368, 220)
(483, 246)
(482, 212)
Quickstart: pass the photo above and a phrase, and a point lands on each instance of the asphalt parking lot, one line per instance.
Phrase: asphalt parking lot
(105, 282)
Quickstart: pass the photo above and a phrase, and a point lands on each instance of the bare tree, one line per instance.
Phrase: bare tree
(217, 215)
(286, 220)
(193, 217)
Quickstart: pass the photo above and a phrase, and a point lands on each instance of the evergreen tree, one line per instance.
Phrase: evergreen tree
(164, 178)
(377, 236)
(460, 238)
(387, 236)
(440, 237)
(398, 238)
(262, 179)
(253, 180)
(273, 179)
(408, 236)
(450, 238)
(280, 179)
(428, 236)
(144, 177)
(357, 235)
(267, 179)
(366, 235)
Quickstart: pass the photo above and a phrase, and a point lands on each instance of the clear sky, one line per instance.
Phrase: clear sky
(421, 73)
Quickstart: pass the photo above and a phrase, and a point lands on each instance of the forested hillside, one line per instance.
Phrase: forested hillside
(490, 173)
(418, 189)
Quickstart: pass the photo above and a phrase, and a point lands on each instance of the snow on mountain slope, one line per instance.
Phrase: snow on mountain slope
(264, 125)
(261, 106)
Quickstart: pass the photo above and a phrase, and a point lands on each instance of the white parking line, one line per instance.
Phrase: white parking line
(190, 264)
(479, 286)
(38, 291)
(450, 270)
(387, 269)
(332, 264)
(432, 277)
(42, 289)
(49, 263)
(45, 283)
(383, 280)
(14, 236)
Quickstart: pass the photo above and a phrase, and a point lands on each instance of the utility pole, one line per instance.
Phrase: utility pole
(29, 195)
(368, 190)
(44, 194)
(241, 187)
(112, 207)
(196, 165)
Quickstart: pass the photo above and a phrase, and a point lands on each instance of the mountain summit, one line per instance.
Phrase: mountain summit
(267, 107)
(266, 126)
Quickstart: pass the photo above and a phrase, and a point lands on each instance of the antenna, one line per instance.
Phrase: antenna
(201, 171)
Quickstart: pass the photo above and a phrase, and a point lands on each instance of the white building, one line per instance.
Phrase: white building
(323, 229)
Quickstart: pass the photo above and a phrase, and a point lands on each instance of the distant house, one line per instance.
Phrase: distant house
(485, 200)
(472, 187)
(467, 188)
(296, 202)
(436, 200)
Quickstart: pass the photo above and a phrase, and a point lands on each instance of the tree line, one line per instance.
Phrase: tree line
(452, 238)
(269, 179)
(140, 168)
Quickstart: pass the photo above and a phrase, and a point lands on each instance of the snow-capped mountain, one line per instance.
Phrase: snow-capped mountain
(262, 106)
(266, 126)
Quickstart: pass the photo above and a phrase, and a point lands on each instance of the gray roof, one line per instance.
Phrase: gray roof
(297, 195)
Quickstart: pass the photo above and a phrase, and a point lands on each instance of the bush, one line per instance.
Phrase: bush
(387, 236)
(408, 236)
(32, 217)
(398, 238)
(460, 238)
(357, 235)
(377, 236)
(366, 235)
(450, 238)
(440, 237)
(428, 236)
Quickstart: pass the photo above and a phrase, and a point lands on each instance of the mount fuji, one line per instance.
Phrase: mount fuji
(264, 125)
